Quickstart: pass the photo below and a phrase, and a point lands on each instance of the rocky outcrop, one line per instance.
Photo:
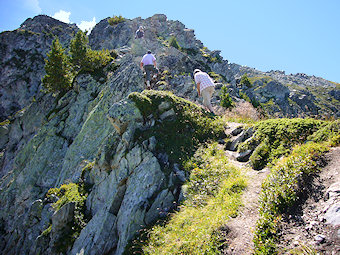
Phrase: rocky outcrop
(129, 186)
(22, 54)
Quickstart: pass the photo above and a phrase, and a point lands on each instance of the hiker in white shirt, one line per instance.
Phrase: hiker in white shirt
(205, 87)
(149, 64)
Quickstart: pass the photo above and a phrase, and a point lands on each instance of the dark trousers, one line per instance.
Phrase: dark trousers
(148, 70)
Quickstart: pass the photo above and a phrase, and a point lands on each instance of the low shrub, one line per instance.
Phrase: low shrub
(245, 81)
(329, 131)
(97, 60)
(259, 158)
(115, 20)
(280, 136)
(68, 193)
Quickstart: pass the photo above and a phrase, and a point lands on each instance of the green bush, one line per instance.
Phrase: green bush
(58, 70)
(85, 59)
(255, 103)
(226, 100)
(327, 132)
(260, 156)
(245, 81)
(116, 20)
(173, 43)
(244, 96)
(61, 69)
(97, 60)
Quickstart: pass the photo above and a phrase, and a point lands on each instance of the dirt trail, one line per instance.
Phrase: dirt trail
(240, 229)
(302, 228)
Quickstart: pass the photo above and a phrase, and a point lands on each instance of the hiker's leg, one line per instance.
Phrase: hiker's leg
(207, 95)
(147, 71)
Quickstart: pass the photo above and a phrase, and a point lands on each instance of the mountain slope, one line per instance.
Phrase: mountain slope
(124, 154)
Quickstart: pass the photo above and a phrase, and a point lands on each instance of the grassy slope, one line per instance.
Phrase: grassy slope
(212, 197)
(212, 193)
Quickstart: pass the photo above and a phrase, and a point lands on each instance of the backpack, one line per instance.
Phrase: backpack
(140, 34)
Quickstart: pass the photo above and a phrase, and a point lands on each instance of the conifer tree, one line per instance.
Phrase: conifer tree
(78, 50)
(58, 71)
(226, 100)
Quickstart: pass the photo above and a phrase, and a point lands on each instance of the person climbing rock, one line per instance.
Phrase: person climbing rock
(139, 32)
(205, 87)
(150, 66)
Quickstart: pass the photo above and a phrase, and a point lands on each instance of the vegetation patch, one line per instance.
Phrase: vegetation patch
(275, 138)
(245, 81)
(264, 79)
(217, 77)
(58, 70)
(115, 20)
(226, 100)
(65, 194)
(5, 122)
(280, 192)
(212, 197)
(61, 68)
(253, 101)
(211, 59)
(178, 137)
(173, 43)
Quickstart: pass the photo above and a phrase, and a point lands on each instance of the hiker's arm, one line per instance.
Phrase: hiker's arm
(198, 88)
(154, 63)
(141, 65)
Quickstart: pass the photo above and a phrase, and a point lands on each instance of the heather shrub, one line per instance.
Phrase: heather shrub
(116, 20)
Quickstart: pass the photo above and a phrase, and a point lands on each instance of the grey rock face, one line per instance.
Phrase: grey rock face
(244, 156)
(22, 54)
(332, 210)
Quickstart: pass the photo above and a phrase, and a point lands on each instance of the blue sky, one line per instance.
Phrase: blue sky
(294, 36)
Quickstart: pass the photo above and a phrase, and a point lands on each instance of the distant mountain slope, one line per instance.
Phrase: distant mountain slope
(22, 52)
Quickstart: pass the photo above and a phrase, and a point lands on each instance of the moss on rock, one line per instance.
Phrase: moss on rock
(180, 136)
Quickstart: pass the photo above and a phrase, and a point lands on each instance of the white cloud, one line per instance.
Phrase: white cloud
(32, 5)
(62, 16)
(87, 25)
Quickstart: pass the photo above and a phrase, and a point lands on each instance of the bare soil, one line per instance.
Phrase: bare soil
(239, 230)
(307, 227)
